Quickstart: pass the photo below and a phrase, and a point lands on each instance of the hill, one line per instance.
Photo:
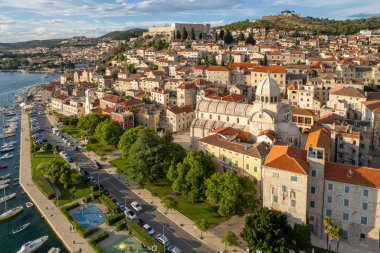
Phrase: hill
(124, 35)
(309, 24)
(30, 44)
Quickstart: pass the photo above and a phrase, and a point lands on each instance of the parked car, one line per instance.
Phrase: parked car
(149, 229)
(106, 192)
(174, 249)
(92, 179)
(130, 215)
(98, 165)
(162, 239)
(140, 222)
(136, 205)
(76, 149)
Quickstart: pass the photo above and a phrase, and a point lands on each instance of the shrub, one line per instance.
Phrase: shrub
(107, 202)
(78, 227)
(96, 195)
(120, 225)
(65, 210)
(89, 231)
(143, 236)
(44, 186)
(112, 219)
(87, 199)
(301, 235)
(99, 237)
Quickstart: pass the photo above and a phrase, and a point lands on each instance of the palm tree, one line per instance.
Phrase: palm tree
(338, 235)
(329, 231)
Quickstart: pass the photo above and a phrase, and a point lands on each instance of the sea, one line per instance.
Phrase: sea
(10, 85)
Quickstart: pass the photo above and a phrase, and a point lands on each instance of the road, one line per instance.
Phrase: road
(161, 224)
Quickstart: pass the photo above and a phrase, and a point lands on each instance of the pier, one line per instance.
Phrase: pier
(58, 222)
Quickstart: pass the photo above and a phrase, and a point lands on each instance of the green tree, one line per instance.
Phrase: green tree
(169, 202)
(109, 131)
(90, 121)
(158, 44)
(129, 137)
(192, 34)
(230, 239)
(200, 36)
(202, 225)
(131, 68)
(167, 136)
(145, 159)
(221, 34)
(250, 39)
(154, 67)
(232, 193)
(64, 180)
(213, 61)
(72, 191)
(184, 33)
(228, 39)
(178, 35)
(333, 232)
(55, 169)
(241, 37)
(267, 230)
(191, 175)
(301, 235)
(48, 146)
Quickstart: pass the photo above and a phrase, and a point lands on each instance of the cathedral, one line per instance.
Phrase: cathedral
(266, 113)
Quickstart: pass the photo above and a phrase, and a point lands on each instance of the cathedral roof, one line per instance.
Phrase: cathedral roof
(268, 87)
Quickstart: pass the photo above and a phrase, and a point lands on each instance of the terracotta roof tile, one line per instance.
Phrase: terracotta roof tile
(374, 105)
(349, 92)
(288, 158)
(320, 138)
(184, 109)
(302, 111)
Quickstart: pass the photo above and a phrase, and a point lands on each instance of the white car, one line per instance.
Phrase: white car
(92, 179)
(174, 249)
(149, 229)
(131, 215)
(162, 239)
(136, 205)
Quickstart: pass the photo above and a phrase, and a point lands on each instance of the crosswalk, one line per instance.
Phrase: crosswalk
(85, 164)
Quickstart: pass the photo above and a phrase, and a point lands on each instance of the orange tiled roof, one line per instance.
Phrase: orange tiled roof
(217, 68)
(320, 138)
(350, 174)
(302, 111)
(288, 158)
(372, 105)
(177, 110)
(270, 69)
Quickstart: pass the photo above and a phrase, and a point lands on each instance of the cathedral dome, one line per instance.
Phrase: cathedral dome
(268, 91)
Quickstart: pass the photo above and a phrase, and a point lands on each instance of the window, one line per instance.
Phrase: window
(293, 178)
(365, 193)
(347, 189)
(328, 212)
(274, 199)
(313, 173)
(254, 168)
(346, 202)
(362, 236)
(284, 188)
(363, 220)
(312, 190)
(345, 234)
(247, 166)
(276, 175)
(365, 206)
(293, 203)
(311, 218)
(329, 199)
(312, 203)
(345, 216)
(330, 186)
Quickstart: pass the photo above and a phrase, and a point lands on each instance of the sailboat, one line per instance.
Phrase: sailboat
(21, 228)
(6, 156)
(11, 212)
(8, 197)
(4, 186)
(5, 181)
(5, 176)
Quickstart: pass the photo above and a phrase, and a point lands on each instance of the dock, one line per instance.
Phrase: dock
(57, 221)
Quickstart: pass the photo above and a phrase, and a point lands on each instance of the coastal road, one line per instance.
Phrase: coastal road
(161, 224)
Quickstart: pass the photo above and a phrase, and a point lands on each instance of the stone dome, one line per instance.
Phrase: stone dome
(268, 91)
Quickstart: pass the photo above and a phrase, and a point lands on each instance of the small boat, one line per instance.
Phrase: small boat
(54, 250)
(16, 184)
(6, 156)
(8, 197)
(29, 204)
(4, 166)
(8, 144)
(5, 176)
(7, 149)
(10, 213)
(21, 228)
(4, 186)
(10, 113)
(33, 245)
(6, 135)
(5, 181)
(15, 179)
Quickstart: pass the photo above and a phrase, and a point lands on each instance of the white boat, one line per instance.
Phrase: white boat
(3, 186)
(14, 119)
(54, 250)
(7, 149)
(5, 176)
(10, 213)
(8, 144)
(33, 245)
(21, 228)
(5, 181)
(5, 135)
(28, 204)
(6, 156)
(8, 197)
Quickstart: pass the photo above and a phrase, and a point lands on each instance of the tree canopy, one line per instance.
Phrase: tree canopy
(109, 131)
(232, 193)
(189, 176)
(228, 39)
(192, 34)
(250, 39)
(241, 37)
(129, 137)
(267, 230)
(90, 121)
(184, 34)
(230, 239)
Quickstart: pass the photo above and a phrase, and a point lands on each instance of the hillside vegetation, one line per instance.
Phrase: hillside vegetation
(30, 44)
(313, 25)
(124, 35)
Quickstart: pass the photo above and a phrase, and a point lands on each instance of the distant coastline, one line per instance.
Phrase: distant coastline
(31, 72)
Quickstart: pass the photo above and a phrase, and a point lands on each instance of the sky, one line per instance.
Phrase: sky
(22, 20)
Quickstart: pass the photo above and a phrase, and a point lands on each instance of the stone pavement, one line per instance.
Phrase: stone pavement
(61, 226)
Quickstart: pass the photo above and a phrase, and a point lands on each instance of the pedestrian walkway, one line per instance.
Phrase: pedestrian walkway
(62, 227)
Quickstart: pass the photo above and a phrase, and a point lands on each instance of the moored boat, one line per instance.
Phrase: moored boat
(28, 204)
(5, 176)
(11, 212)
(6, 156)
(3, 166)
(4, 186)
(4, 181)
(21, 228)
(33, 245)
(8, 197)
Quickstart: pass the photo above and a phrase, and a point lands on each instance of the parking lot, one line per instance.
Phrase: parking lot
(120, 191)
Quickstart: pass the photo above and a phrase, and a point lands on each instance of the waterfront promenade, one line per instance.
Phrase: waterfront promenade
(61, 226)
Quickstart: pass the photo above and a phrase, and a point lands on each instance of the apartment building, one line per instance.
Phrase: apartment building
(179, 118)
(160, 97)
(353, 97)
(304, 118)
(277, 73)
(218, 74)
(371, 114)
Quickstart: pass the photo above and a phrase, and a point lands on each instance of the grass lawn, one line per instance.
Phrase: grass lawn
(118, 163)
(83, 188)
(202, 210)
(73, 131)
(100, 148)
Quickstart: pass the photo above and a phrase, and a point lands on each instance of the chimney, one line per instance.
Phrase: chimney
(350, 173)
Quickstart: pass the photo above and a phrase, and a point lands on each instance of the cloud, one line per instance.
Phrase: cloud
(364, 15)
